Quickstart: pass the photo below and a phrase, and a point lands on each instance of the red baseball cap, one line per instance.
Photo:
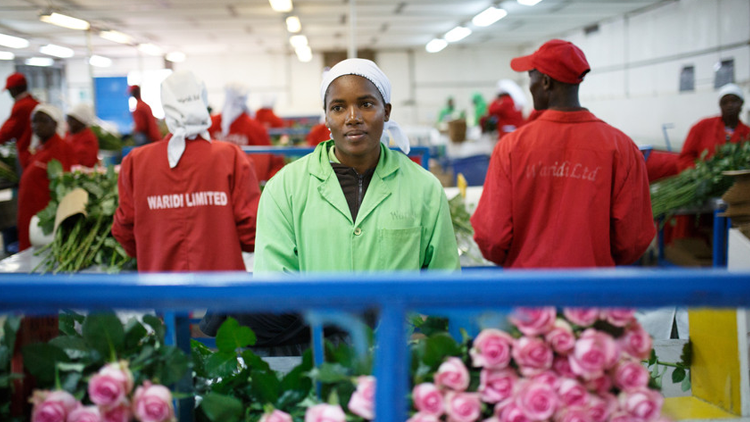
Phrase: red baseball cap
(560, 60)
(14, 80)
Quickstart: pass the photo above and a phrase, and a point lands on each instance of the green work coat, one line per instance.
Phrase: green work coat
(304, 222)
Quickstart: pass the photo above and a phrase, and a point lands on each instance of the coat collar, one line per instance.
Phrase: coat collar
(320, 166)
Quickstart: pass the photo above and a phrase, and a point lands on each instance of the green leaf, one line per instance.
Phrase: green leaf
(134, 334)
(296, 379)
(289, 398)
(438, 347)
(254, 361)
(265, 386)
(652, 358)
(74, 346)
(157, 325)
(221, 364)
(104, 333)
(686, 358)
(678, 375)
(10, 329)
(330, 373)
(685, 386)
(232, 336)
(175, 365)
(220, 408)
(54, 169)
(40, 360)
(199, 353)
(4, 359)
(69, 381)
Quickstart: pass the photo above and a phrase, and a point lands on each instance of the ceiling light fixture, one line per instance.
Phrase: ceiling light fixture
(457, 34)
(13, 42)
(528, 2)
(116, 36)
(436, 45)
(293, 24)
(100, 61)
(298, 41)
(176, 57)
(282, 6)
(489, 16)
(39, 61)
(7, 55)
(149, 48)
(65, 21)
(57, 51)
(304, 53)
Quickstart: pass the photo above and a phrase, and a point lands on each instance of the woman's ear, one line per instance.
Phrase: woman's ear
(387, 112)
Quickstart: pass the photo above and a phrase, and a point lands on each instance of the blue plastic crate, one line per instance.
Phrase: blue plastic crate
(473, 168)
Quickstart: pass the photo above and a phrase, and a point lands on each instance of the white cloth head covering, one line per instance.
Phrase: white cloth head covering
(84, 113)
(185, 103)
(268, 101)
(370, 71)
(56, 114)
(507, 86)
(731, 89)
(235, 103)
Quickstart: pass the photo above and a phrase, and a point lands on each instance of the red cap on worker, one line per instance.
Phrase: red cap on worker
(560, 60)
(14, 80)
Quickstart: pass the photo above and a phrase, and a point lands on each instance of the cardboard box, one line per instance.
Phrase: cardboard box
(457, 130)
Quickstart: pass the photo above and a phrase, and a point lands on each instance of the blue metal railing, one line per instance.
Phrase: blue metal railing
(392, 294)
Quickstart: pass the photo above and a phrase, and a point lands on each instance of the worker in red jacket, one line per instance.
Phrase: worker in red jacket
(145, 128)
(506, 111)
(265, 114)
(235, 125)
(187, 203)
(33, 188)
(19, 121)
(568, 190)
(80, 136)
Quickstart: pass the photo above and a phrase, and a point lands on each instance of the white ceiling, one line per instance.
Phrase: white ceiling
(201, 27)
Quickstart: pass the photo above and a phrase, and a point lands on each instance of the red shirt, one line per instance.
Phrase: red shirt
(508, 118)
(268, 118)
(144, 122)
(707, 135)
(33, 189)
(246, 131)
(86, 146)
(319, 133)
(565, 191)
(18, 125)
(198, 216)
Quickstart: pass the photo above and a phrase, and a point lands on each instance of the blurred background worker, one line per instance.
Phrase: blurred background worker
(265, 114)
(80, 136)
(33, 190)
(235, 125)
(505, 113)
(19, 121)
(480, 107)
(145, 128)
(447, 112)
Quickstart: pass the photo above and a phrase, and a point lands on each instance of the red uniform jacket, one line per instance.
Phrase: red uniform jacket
(319, 133)
(707, 135)
(246, 131)
(198, 216)
(508, 118)
(33, 189)
(18, 125)
(144, 121)
(565, 191)
(86, 146)
(268, 118)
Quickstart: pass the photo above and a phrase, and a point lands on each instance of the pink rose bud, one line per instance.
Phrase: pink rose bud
(85, 414)
(642, 403)
(623, 416)
(582, 317)
(619, 317)
(452, 374)
(572, 393)
(111, 385)
(593, 353)
(276, 416)
(547, 377)
(636, 342)
(561, 366)
(491, 349)
(462, 407)
(428, 399)
(630, 374)
(423, 417)
(153, 403)
(325, 413)
(496, 385)
(362, 402)
(537, 400)
(600, 407)
(573, 414)
(511, 413)
(601, 384)
(532, 355)
(561, 337)
(534, 321)
(121, 413)
(52, 406)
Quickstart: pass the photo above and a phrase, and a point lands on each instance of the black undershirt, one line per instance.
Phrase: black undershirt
(354, 185)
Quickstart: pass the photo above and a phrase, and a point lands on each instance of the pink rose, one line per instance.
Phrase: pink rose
(511, 413)
(462, 407)
(636, 342)
(583, 317)
(619, 317)
(423, 417)
(153, 403)
(362, 402)
(623, 416)
(325, 413)
(600, 385)
(547, 377)
(573, 414)
(121, 413)
(491, 349)
(428, 399)
(276, 416)
(111, 385)
(52, 406)
(600, 407)
(630, 374)
(452, 374)
(642, 403)
(85, 414)
(561, 337)
(534, 321)
(561, 366)
(572, 393)
(594, 352)
(496, 385)
(538, 401)
(532, 355)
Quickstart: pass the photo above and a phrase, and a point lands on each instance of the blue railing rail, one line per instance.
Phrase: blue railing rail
(393, 294)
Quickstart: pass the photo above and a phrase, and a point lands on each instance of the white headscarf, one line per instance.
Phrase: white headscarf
(507, 86)
(185, 104)
(731, 89)
(370, 71)
(56, 114)
(235, 103)
(83, 113)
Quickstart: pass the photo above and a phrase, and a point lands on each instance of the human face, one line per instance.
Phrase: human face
(538, 91)
(43, 126)
(355, 114)
(731, 105)
(74, 125)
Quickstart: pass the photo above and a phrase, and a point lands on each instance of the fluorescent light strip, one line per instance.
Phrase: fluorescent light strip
(457, 34)
(293, 24)
(528, 2)
(282, 6)
(57, 51)
(65, 21)
(116, 36)
(298, 41)
(489, 16)
(151, 49)
(304, 53)
(436, 45)
(100, 61)
(39, 61)
(176, 57)
(7, 55)
(13, 42)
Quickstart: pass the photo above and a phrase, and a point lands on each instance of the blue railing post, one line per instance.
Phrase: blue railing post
(391, 370)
